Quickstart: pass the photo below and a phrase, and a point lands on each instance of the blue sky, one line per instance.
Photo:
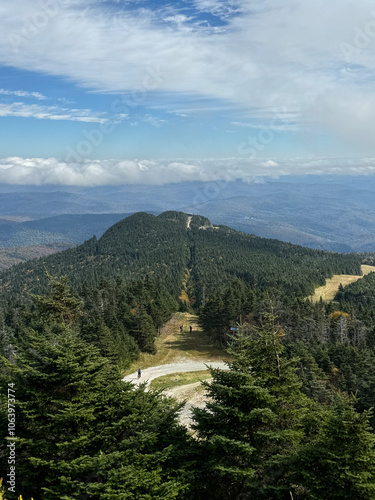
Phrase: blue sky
(88, 85)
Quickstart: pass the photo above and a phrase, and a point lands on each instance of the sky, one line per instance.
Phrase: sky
(123, 91)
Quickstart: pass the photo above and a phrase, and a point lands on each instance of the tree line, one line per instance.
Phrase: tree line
(278, 425)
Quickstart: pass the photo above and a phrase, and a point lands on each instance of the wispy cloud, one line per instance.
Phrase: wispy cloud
(153, 120)
(286, 126)
(38, 171)
(20, 109)
(23, 93)
(221, 8)
(267, 53)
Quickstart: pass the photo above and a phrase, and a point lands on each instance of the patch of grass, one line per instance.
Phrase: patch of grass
(328, 291)
(179, 379)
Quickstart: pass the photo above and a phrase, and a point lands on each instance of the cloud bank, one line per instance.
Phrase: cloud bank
(38, 171)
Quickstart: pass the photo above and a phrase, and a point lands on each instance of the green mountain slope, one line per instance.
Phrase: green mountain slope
(178, 248)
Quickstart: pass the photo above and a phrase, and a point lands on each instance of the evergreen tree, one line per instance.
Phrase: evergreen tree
(253, 420)
(144, 332)
(339, 462)
(61, 306)
(83, 432)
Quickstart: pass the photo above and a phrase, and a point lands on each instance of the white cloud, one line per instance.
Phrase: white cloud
(38, 171)
(270, 163)
(22, 110)
(278, 123)
(153, 120)
(220, 8)
(23, 93)
(295, 55)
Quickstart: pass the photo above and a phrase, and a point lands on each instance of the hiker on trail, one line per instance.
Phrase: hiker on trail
(190, 329)
(139, 373)
(181, 328)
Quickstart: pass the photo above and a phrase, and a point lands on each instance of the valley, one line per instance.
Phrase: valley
(9, 256)
(292, 209)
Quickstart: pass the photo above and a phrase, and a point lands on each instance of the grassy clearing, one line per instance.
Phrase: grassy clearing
(179, 379)
(329, 290)
(173, 346)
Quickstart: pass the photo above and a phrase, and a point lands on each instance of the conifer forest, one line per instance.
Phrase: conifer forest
(289, 417)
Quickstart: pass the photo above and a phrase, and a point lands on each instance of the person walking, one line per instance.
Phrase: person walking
(139, 373)
(190, 329)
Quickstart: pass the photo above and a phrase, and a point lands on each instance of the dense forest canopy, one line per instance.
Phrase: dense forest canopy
(290, 418)
(173, 246)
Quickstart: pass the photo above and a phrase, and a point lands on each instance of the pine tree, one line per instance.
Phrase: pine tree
(144, 332)
(61, 306)
(253, 420)
(83, 432)
(339, 462)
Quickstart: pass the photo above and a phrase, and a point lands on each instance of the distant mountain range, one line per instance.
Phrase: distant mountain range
(331, 213)
(67, 229)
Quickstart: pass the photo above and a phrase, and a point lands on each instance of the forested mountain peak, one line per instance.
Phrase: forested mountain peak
(144, 220)
(188, 254)
(278, 421)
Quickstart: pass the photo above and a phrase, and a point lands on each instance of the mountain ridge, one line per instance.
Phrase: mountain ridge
(336, 214)
(197, 258)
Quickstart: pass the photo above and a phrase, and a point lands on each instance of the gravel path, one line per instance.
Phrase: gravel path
(194, 395)
(184, 366)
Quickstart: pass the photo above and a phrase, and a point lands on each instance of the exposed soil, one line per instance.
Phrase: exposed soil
(194, 395)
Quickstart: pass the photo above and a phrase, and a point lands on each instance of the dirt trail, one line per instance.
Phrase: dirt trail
(194, 395)
(328, 291)
(174, 346)
(189, 221)
(182, 367)
(178, 352)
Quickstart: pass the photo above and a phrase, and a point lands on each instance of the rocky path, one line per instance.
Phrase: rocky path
(194, 395)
